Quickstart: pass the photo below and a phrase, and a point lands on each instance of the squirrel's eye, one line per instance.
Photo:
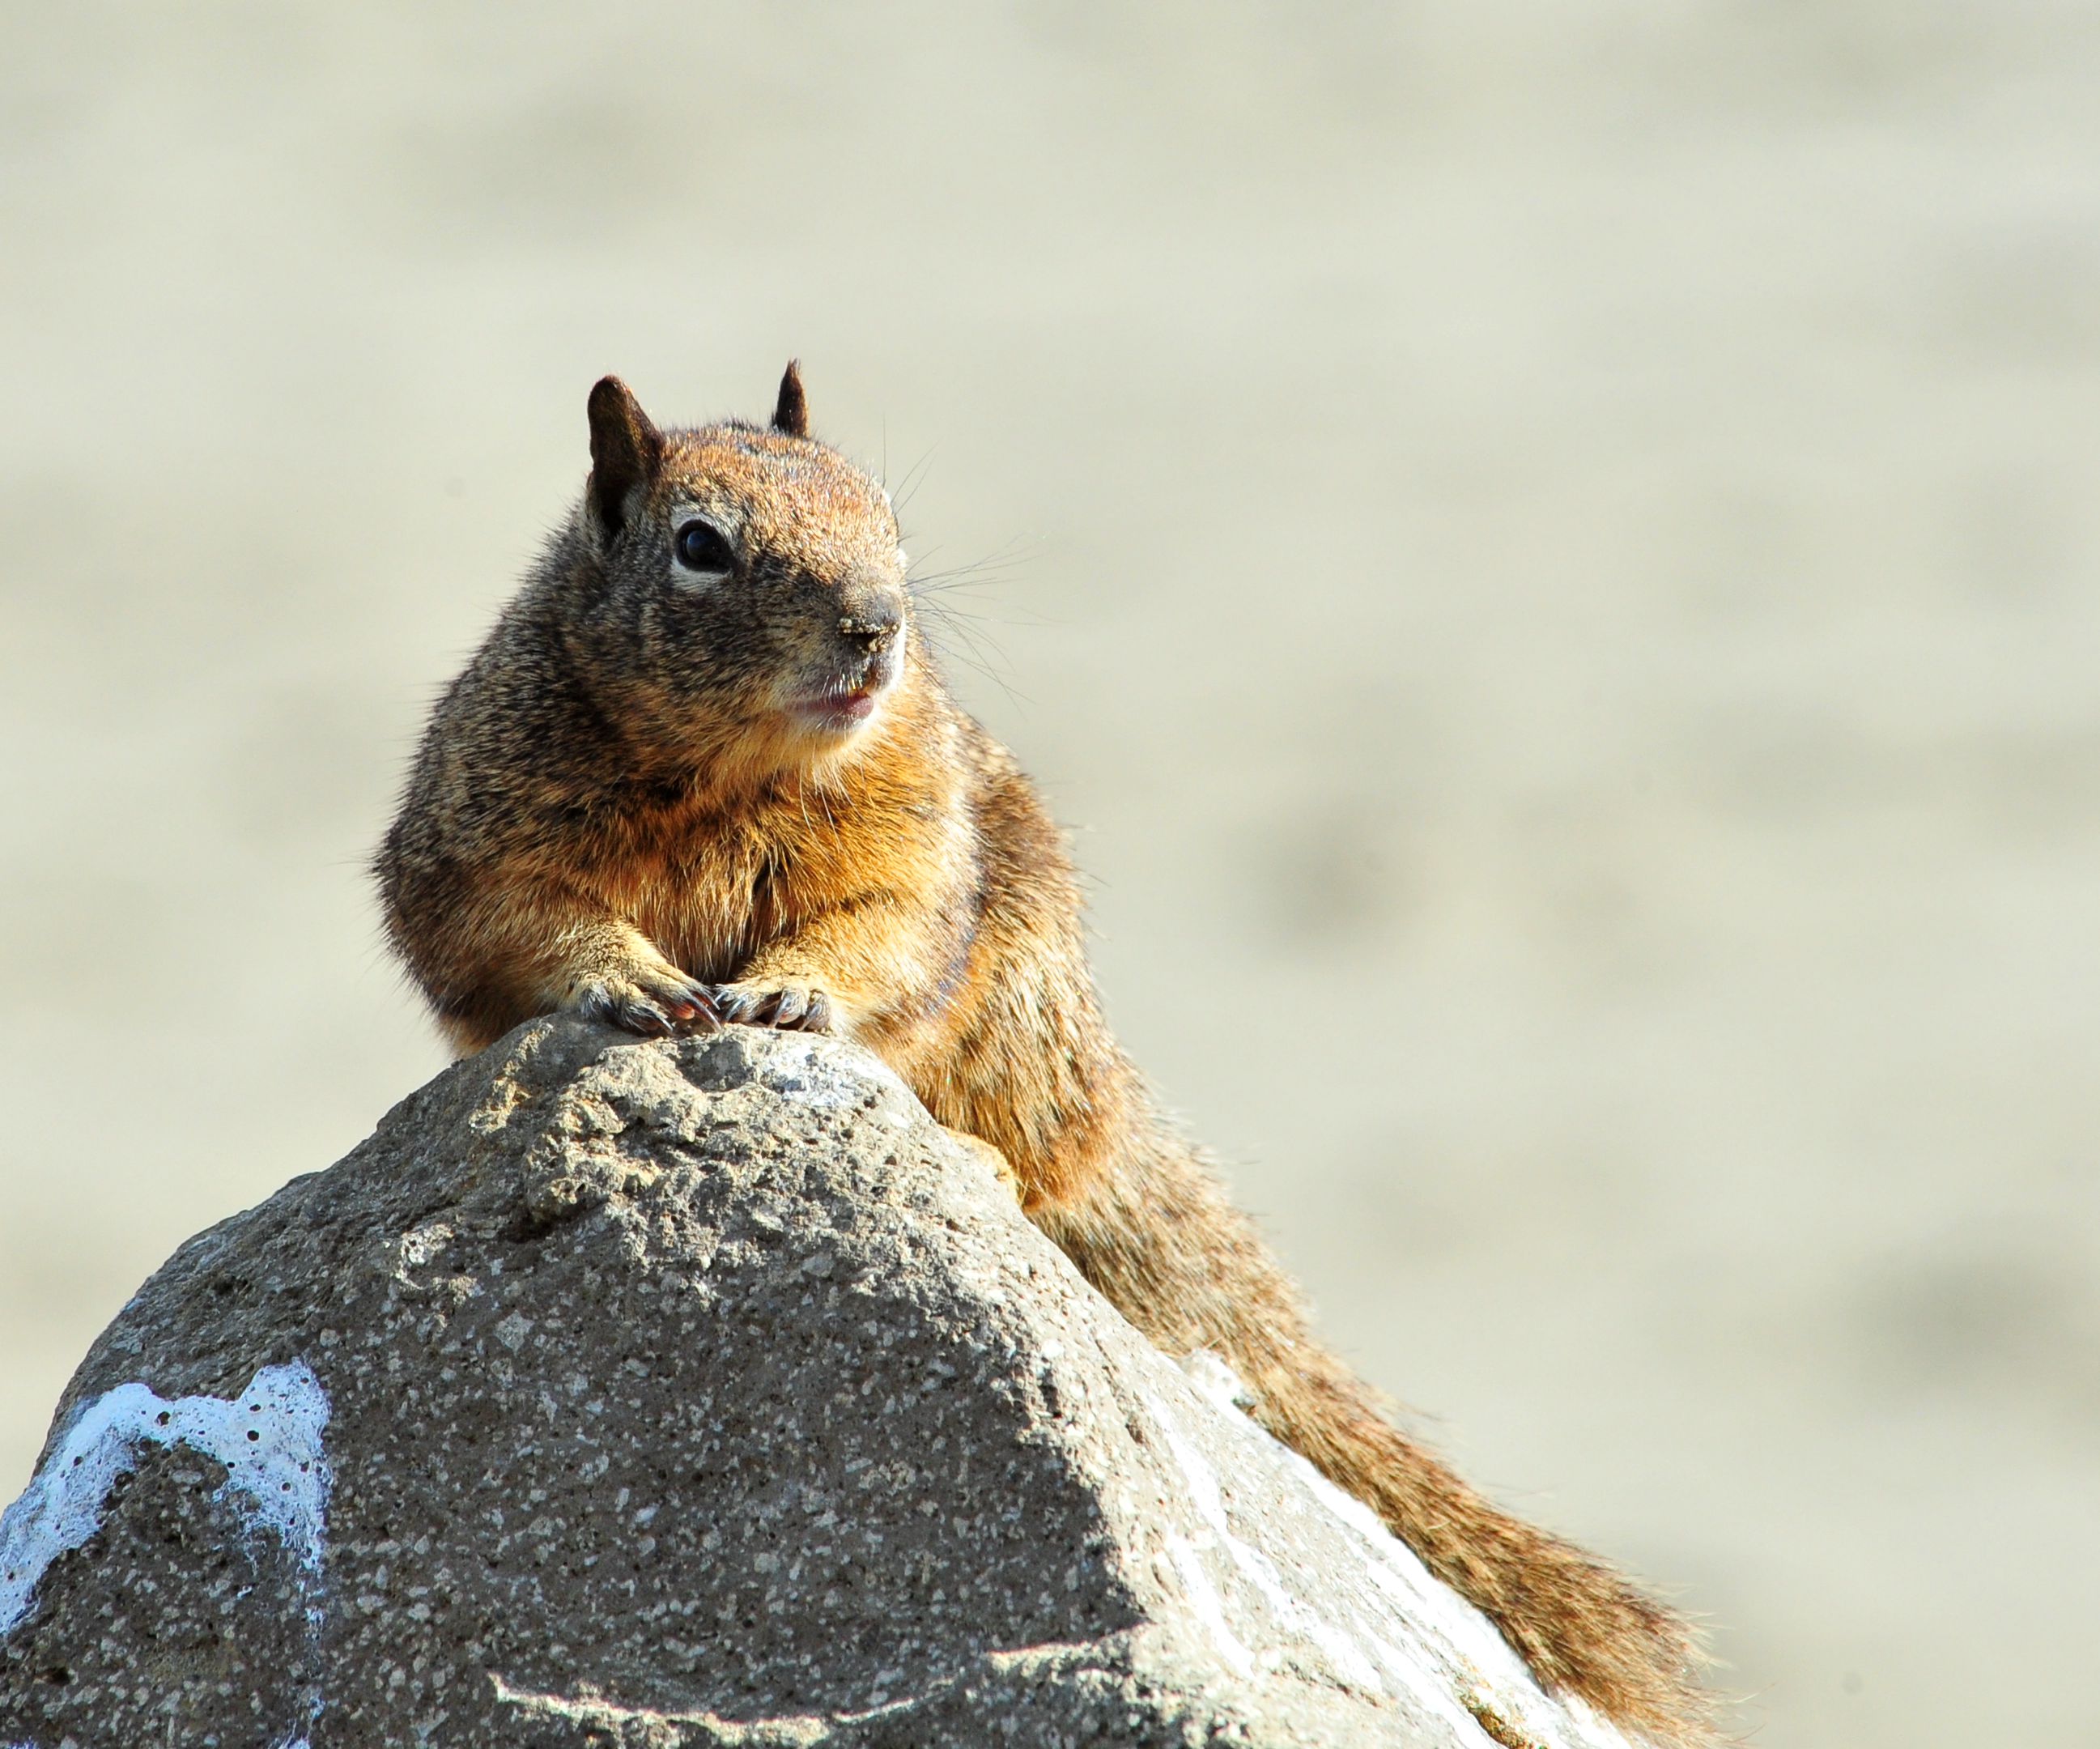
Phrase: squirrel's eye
(701, 546)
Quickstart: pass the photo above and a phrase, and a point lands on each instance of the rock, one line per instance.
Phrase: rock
(695, 1393)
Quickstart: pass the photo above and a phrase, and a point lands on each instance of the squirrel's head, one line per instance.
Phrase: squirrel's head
(746, 582)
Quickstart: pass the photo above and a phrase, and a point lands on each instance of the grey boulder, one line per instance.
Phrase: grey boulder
(703, 1393)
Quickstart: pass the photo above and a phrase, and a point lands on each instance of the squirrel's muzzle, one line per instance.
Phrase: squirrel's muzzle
(871, 613)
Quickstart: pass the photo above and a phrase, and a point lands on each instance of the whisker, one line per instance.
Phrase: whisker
(991, 664)
(914, 480)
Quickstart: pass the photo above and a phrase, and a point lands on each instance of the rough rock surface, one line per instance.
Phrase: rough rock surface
(682, 1394)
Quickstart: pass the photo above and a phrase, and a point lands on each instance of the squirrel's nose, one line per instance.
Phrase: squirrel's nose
(870, 616)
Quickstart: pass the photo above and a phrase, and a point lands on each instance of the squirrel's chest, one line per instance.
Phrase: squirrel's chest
(707, 898)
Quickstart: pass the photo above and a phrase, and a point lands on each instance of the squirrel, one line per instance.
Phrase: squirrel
(704, 769)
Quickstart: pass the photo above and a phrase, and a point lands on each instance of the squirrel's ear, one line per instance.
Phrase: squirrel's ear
(627, 450)
(791, 412)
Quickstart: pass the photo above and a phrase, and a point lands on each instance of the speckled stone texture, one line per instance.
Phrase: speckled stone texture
(700, 1393)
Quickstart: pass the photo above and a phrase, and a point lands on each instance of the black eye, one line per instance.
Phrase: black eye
(701, 546)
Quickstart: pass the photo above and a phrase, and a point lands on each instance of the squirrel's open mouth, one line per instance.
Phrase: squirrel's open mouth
(843, 704)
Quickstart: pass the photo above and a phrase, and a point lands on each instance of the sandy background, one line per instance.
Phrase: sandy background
(1553, 574)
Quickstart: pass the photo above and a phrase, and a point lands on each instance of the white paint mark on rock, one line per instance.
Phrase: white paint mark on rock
(268, 1438)
(1411, 1626)
(1342, 1652)
(1203, 1599)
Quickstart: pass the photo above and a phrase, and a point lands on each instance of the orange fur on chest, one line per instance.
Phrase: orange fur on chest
(711, 886)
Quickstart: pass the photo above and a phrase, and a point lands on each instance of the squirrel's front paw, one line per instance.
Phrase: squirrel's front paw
(656, 1004)
(793, 1007)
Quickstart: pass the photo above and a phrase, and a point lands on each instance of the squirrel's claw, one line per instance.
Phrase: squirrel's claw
(663, 1008)
(738, 1007)
(628, 1011)
(695, 1019)
(793, 1008)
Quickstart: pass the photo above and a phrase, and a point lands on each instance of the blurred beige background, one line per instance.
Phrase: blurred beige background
(1554, 560)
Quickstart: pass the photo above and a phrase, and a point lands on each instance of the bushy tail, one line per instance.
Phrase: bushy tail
(1158, 1238)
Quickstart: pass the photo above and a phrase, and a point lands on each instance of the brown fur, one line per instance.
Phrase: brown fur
(623, 805)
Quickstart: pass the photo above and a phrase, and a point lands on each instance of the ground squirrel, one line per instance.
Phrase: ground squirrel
(705, 768)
